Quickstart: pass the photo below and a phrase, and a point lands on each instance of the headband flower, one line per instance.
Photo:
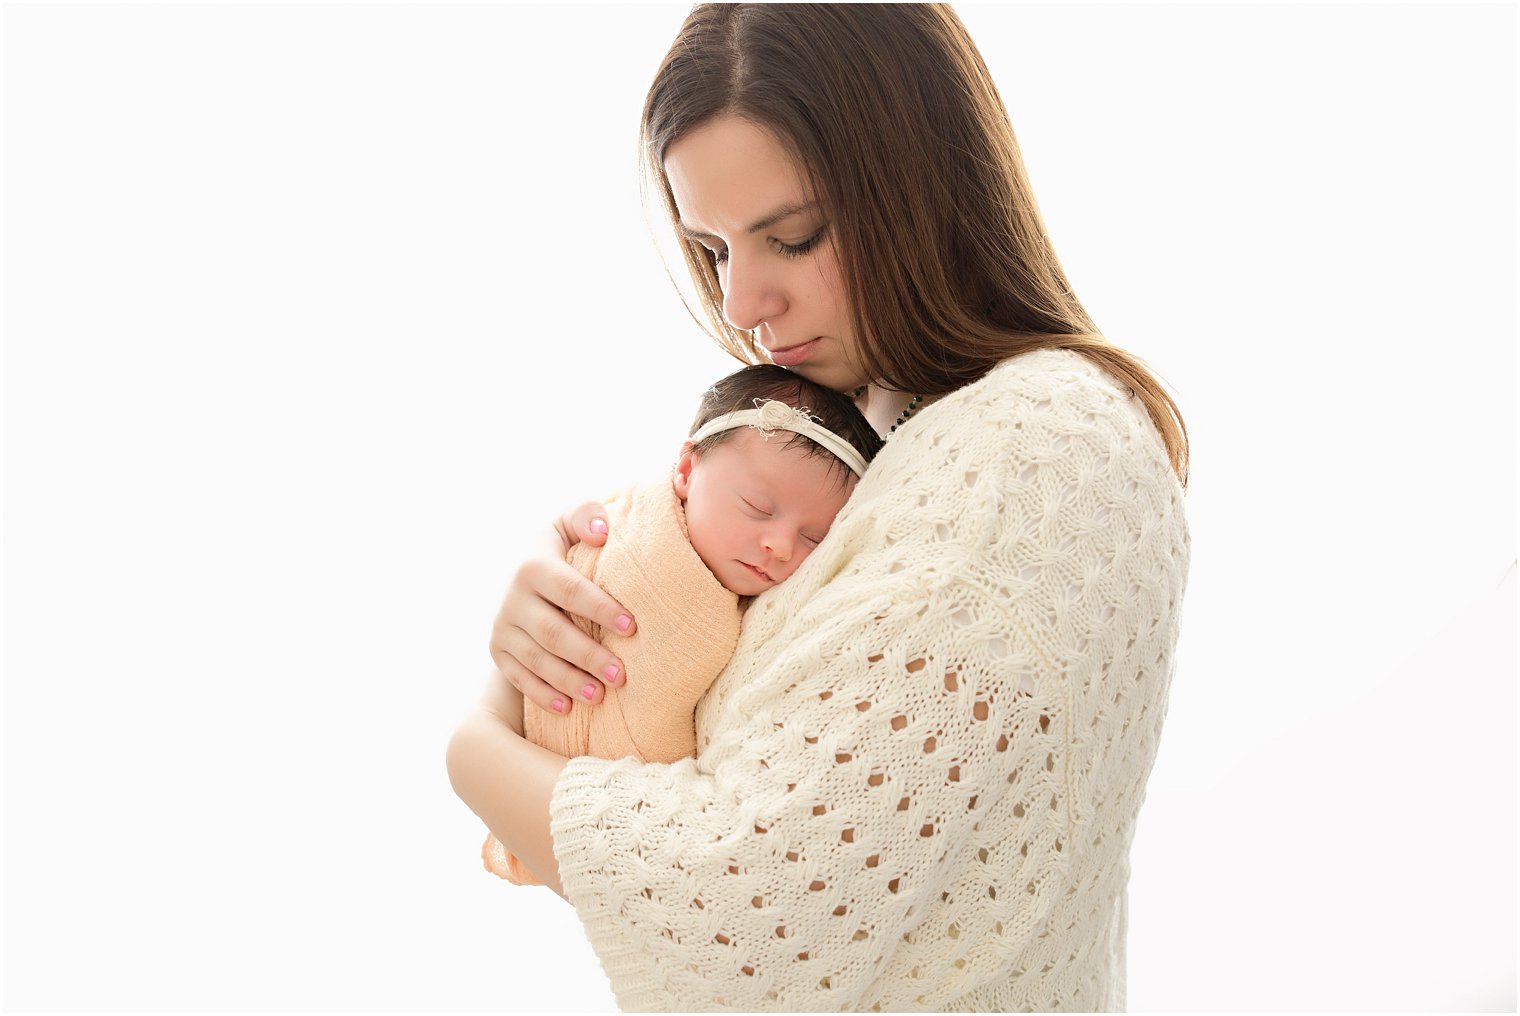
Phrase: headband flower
(777, 415)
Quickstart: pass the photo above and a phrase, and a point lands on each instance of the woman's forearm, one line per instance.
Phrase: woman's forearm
(506, 780)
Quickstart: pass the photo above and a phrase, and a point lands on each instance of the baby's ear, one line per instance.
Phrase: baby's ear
(682, 477)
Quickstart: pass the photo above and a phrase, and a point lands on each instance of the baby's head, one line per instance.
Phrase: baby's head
(761, 489)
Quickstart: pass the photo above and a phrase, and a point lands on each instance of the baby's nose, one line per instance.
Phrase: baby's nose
(780, 546)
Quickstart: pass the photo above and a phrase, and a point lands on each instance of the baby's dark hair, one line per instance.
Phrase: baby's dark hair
(837, 412)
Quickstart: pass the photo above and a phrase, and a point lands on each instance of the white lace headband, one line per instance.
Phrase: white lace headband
(770, 415)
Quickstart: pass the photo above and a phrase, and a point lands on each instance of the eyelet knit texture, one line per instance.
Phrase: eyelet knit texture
(917, 779)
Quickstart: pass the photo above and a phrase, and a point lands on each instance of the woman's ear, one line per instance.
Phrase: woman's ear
(684, 464)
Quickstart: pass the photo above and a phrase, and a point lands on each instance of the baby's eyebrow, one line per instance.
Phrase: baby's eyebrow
(785, 211)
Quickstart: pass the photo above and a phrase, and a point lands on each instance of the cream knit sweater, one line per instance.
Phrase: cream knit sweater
(917, 779)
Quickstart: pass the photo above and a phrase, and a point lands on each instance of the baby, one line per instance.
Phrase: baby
(771, 459)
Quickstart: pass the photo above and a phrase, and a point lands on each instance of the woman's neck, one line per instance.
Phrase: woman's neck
(882, 408)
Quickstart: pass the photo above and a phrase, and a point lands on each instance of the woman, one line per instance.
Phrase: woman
(918, 777)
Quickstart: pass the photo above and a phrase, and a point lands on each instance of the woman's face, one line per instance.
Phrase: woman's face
(740, 195)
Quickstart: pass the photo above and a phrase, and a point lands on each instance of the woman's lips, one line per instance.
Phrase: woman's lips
(791, 356)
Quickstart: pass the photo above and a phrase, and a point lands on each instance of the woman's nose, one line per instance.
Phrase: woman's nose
(750, 293)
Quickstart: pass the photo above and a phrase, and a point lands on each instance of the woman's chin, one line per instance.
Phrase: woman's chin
(844, 382)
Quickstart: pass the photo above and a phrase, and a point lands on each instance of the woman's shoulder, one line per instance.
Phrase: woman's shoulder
(1042, 436)
(1029, 407)
(1059, 381)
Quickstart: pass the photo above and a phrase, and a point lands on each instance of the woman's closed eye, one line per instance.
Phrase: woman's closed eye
(797, 250)
(719, 256)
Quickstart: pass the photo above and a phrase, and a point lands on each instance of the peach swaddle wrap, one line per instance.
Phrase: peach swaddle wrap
(688, 628)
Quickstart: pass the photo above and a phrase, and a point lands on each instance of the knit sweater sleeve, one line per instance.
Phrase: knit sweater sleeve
(892, 768)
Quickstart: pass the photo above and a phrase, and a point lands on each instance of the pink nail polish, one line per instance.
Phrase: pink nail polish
(622, 622)
(611, 673)
(589, 692)
(598, 526)
(559, 705)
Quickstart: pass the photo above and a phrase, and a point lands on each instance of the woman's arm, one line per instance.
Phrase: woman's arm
(495, 770)
(506, 779)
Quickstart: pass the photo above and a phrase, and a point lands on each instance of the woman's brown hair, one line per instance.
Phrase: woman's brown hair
(895, 122)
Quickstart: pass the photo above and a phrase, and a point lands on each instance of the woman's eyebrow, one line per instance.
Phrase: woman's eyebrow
(785, 211)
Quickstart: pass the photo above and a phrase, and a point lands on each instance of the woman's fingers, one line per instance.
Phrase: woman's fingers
(544, 642)
(587, 524)
(533, 689)
(572, 592)
(538, 648)
(536, 635)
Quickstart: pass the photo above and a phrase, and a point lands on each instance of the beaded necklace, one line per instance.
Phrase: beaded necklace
(912, 405)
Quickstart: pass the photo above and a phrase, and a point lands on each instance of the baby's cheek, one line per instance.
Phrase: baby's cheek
(799, 556)
(699, 529)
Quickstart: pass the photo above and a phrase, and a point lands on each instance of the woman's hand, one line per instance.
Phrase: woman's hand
(540, 650)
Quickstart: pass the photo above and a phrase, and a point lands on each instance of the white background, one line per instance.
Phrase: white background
(312, 313)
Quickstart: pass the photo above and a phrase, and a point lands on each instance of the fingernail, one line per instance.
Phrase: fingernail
(611, 673)
(559, 705)
(589, 692)
(622, 622)
(598, 526)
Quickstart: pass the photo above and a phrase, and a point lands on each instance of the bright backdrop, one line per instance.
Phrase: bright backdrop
(312, 312)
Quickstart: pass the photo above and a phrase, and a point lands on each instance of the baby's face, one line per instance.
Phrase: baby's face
(755, 508)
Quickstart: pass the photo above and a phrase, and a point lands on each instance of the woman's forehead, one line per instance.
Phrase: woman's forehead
(732, 175)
